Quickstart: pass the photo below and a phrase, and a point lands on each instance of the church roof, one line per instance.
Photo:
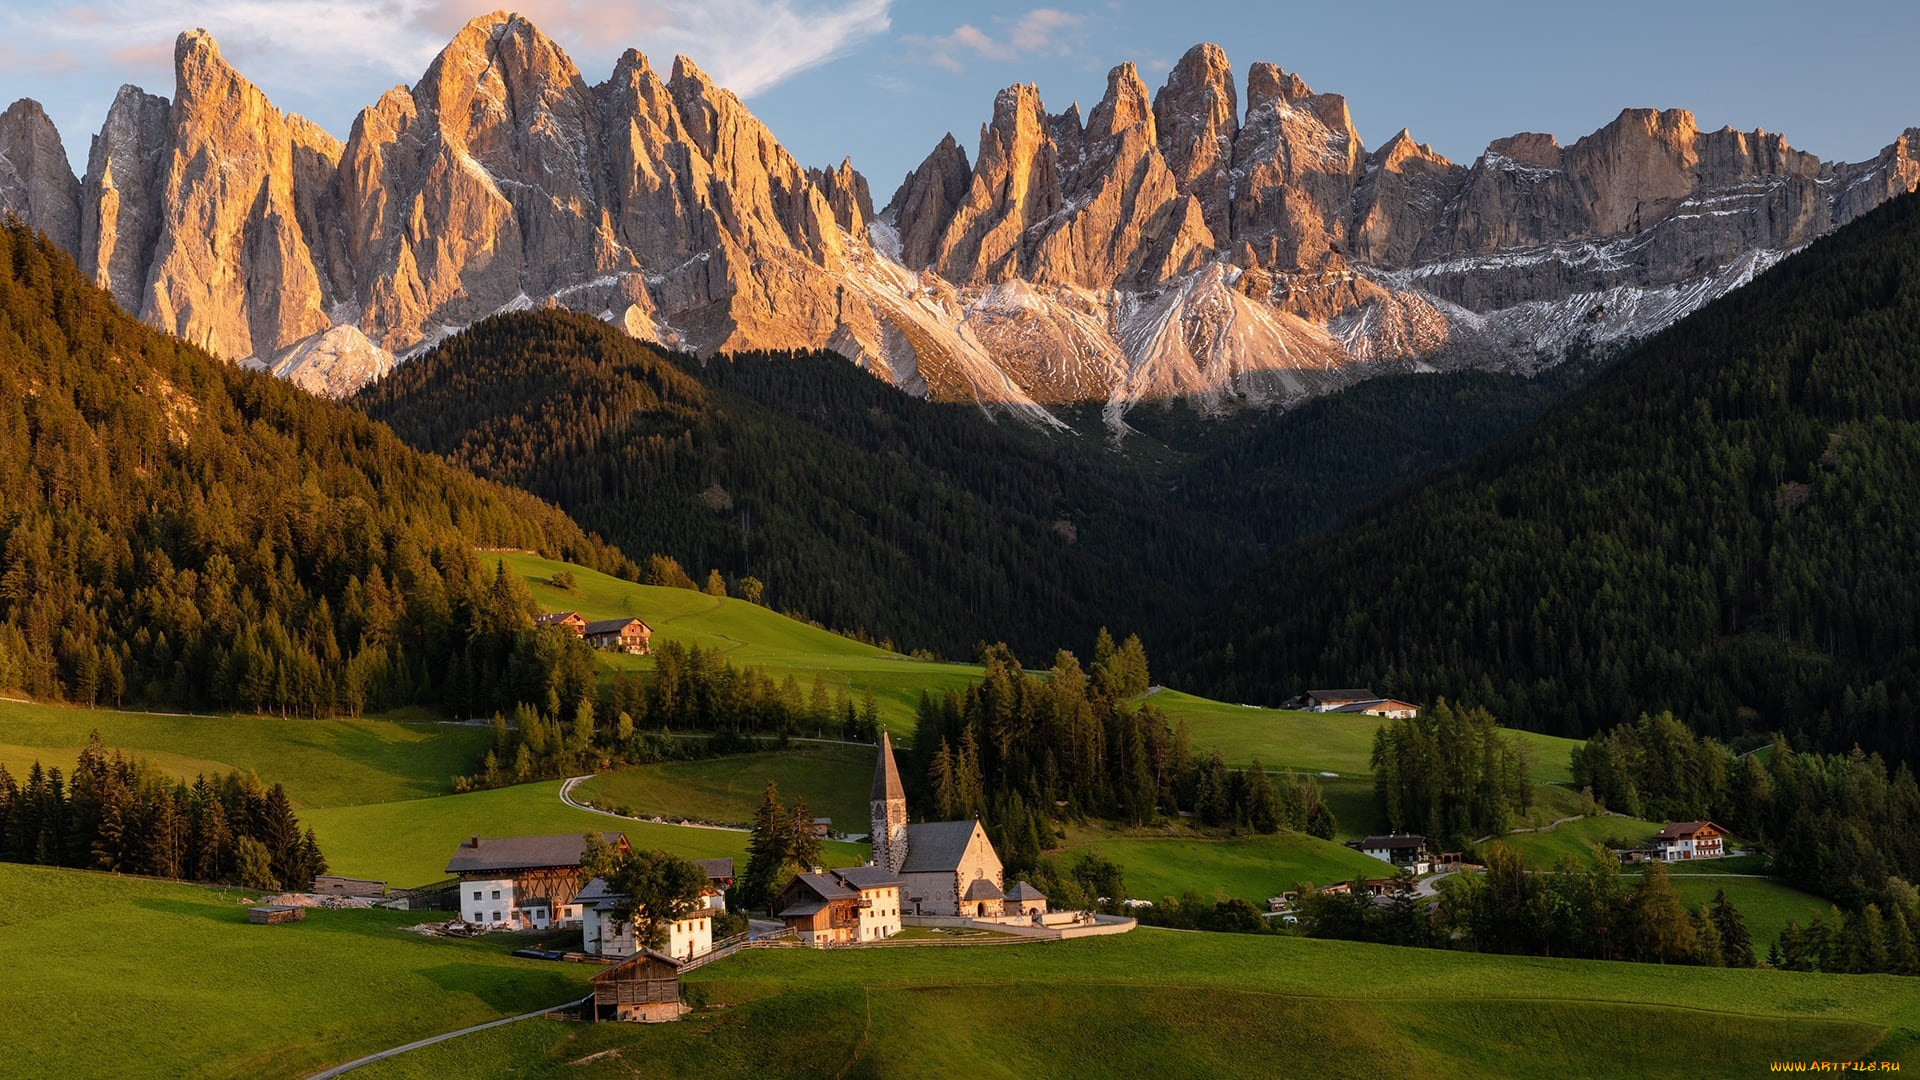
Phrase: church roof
(982, 889)
(1023, 891)
(937, 846)
(886, 775)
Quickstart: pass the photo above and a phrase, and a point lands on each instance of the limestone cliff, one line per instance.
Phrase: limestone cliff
(1239, 245)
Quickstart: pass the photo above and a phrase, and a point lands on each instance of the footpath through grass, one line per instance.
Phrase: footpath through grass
(834, 780)
(408, 843)
(1162, 1003)
(321, 762)
(124, 977)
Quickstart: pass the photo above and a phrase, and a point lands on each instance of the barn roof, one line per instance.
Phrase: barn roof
(638, 957)
(937, 846)
(555, 618)
(717, 869)
(1359, 694)
(612, 626)
(522, 852)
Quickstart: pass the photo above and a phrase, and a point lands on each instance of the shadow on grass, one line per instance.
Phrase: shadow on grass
(508, 990)
(212, 909)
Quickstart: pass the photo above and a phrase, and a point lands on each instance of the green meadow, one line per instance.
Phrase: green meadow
(1576, 838)
(408, 843)
(1171, 861)
(321, 762)
(125, 977)
(749, 636)
(833, 779)
(1166, 1003)
(1333, 742)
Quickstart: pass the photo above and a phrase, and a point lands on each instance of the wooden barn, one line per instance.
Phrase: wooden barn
(642, 989)
(571, 620)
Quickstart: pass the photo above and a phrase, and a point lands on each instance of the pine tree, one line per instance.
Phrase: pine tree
(767, 869)
(253, 865)
(1735, 942)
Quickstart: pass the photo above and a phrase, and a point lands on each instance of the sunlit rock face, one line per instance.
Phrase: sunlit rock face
(1233, 244)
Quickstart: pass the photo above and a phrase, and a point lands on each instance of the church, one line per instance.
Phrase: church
(946, 867)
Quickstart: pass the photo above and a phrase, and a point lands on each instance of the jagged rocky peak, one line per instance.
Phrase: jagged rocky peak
(846, 192)
(1403, 192)
(121, 197)
(1197, 114)
(232, 269)
(926, 200)
(1296, 162)
(1015, 184)
(35, 179)
(1125, 110)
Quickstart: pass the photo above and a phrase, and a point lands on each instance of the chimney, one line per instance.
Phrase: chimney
(476, 842)
(819, 870)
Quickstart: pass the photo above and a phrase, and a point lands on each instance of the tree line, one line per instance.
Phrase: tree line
(125, 816)
(564, 721)
(1450, 774)
(1578, 908)
(1841, 825)
(1020, 750)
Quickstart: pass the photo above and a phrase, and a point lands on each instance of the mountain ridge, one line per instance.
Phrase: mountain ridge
(1167, 245)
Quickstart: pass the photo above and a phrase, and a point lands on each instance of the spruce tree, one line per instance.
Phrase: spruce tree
(1735, 942)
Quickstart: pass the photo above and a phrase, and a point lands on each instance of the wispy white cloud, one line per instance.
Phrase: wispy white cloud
(1036, 33)
(746, 45)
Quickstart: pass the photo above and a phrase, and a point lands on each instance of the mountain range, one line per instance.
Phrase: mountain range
(1165, 245)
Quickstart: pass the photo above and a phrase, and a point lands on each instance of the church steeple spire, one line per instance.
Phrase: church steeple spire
(889, 806)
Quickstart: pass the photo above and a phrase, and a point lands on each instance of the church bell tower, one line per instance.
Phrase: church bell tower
(889, 807)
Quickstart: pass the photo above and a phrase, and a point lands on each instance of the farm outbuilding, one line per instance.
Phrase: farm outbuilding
(643, 989)
(274, 914)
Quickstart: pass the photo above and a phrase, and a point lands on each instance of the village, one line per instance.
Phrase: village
(943, 876)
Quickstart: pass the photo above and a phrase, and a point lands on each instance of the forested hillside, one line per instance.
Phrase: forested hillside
(176, 530)
(1725, 524)
(933, 525)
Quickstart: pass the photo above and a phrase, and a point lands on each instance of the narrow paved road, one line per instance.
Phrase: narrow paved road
(384, 1054)
(566, 796)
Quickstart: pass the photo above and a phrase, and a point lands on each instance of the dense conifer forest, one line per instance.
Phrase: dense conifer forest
(174, 529)
(934, 526)
(1724, 524)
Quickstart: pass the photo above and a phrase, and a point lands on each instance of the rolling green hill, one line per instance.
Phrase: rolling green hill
(1723, 524)
(834, 780)
(1247, 867)
(1166, 1003)
(333, 762)
(124, 977)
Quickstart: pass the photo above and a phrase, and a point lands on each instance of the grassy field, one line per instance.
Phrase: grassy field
(1576, 838)
(1163, 1003)
(121, 977)
(321, 762)
(408, 843)
(834, 780)
(1765, 904)
(1249, 867)
(750, 635)
(1336, 742)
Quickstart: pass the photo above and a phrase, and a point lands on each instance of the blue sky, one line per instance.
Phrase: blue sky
(882, 80)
